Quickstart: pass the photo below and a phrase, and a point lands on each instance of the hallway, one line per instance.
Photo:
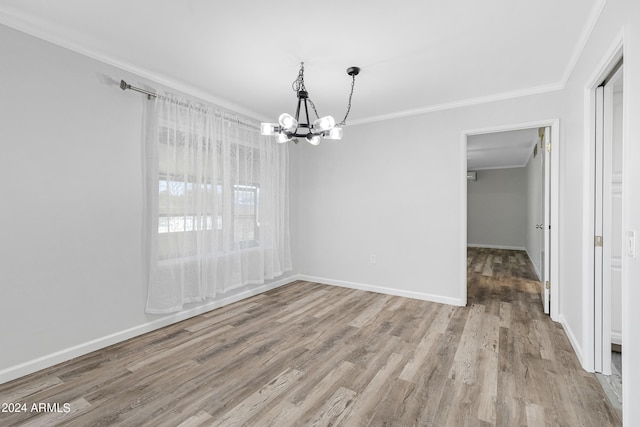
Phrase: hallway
(540, 381)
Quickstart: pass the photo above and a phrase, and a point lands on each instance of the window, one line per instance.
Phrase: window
(216, 203)
(200, 192)
(244, 210)
(246, 223)
(169, 222)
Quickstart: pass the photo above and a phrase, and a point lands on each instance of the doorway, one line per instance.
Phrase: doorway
(544, 141)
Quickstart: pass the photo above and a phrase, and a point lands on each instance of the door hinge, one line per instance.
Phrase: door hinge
(547, 284)
(548, 147)
(598, 241)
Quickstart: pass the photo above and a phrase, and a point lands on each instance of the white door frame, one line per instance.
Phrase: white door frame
(607, 64)
(554, 124)
(545, 294)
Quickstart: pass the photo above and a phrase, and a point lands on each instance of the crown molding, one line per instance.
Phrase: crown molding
(577, 52)
(584, 38)
(462, 103)
(20, 23)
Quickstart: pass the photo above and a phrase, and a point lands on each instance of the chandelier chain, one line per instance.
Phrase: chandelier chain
(298, 85)
(314, 107)
(344, 120)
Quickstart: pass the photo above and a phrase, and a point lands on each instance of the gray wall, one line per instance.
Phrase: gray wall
(392, 189)
(497, 209)
(71, 275)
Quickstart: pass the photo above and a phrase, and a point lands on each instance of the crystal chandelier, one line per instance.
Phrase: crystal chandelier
(290, 128)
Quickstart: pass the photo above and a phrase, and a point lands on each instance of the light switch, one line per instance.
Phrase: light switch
(631, 243)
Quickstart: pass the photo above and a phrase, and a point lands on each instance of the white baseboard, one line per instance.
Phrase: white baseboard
(616, 338)
(535, 267)
(574, 343)
(383, 290)
(482, 245)
(49, 360)
(31, 366)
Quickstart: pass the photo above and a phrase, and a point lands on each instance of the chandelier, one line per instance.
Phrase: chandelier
(290, 128)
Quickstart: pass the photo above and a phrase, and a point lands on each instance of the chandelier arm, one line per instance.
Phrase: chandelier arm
(353, 83)
(306, 112)
(298, 111)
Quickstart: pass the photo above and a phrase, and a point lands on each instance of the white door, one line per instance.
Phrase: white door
(612, 215)
(546, 219)
(600, 323)
(608, 220)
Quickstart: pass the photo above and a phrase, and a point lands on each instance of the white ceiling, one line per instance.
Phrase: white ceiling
(509, 149)
(415, 55)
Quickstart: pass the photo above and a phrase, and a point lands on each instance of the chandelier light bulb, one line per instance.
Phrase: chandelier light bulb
(313, 139)
(324, 123)
(269, 128)
(287, 122)
(282, 137)
(335, 133)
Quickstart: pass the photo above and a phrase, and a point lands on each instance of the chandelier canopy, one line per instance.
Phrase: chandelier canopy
(290, 128)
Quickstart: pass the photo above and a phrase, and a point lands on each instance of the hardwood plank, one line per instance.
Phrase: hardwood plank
(535, 415)
(487, 387)
(300, 403)
(505, 314)
(239, 414)
(422, 405)
(365, 404)
(53, 418)
(465, 359)
(370, 312)
(542, 336)
(424, 347)
(170, 352)
(208, 323)
(335, 410)
(196, 420)
(37, 385)
(392, 409)
(487, 269)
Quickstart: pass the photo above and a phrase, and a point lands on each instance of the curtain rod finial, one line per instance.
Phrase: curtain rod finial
(124, 85)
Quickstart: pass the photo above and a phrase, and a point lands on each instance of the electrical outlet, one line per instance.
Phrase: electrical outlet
(373, 259)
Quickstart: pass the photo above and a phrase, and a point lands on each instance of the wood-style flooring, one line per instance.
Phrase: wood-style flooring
(308, 354)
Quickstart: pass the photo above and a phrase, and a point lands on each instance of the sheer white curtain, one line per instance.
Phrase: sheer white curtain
(217, 203)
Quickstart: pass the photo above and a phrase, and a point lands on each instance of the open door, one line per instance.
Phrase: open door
(545, 135)
(602, 356)
(608, 250)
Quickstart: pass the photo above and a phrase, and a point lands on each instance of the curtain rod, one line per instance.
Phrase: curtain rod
(124, 86)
